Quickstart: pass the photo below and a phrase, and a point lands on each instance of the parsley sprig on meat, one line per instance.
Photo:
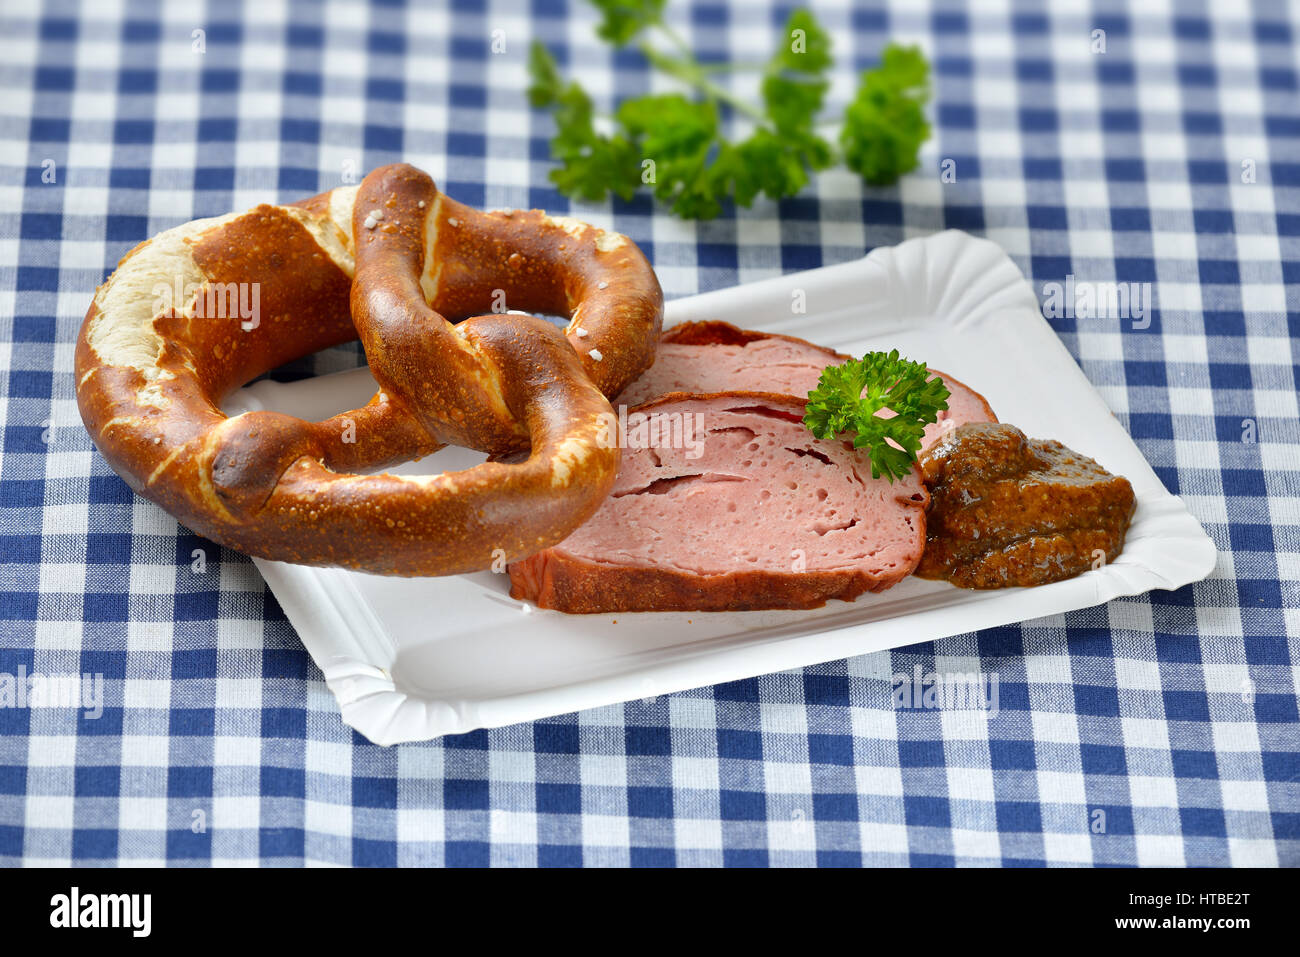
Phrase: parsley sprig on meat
(696, 164)
(848, 396)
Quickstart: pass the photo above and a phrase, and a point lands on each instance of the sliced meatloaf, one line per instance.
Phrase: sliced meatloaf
(719, 357)
(727, 502)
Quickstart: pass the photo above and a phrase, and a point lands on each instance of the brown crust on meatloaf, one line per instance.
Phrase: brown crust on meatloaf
(714, 332)
(579, 586)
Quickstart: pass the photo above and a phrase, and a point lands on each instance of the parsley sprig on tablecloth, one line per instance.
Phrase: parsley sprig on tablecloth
(677, 145)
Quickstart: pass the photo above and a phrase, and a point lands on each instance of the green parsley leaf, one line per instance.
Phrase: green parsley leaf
(591, 165)
(807, 47)
(624, 19)
(848, 398)
(677, 135)
(793, 92)
(792, 105)
(885, 124)
(546, 85)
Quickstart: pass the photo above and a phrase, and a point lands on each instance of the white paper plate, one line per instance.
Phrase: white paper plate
(411, 659)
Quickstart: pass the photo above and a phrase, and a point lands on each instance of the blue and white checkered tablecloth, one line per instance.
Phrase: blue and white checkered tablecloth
(1153, 730)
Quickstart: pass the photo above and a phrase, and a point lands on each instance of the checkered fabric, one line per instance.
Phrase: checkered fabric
(1153, 730)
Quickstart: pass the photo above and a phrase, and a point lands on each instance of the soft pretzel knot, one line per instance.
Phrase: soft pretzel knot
(201, 309)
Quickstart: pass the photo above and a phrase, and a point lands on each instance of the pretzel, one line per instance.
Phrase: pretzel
(385, 260)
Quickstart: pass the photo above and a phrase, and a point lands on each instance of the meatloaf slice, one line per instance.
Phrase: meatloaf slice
(719, 357)
(737, 507)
